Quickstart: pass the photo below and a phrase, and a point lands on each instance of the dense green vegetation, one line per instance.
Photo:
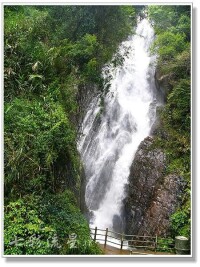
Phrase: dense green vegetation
(36, 225)
(52, 53)
(172, 26)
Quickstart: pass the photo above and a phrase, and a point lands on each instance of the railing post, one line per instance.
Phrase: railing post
(95, 233)
(122, 240)
(106, 236)
(156, 242)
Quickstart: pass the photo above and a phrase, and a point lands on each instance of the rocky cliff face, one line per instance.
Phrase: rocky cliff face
(162, 86)
(152, 196)
(86, 93)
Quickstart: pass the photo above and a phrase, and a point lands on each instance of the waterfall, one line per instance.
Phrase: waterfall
(111, 138)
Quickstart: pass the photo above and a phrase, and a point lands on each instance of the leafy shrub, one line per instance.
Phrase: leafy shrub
(36, 225)
(36, 134)
(61, 212)
(180, 222)
(25, 233)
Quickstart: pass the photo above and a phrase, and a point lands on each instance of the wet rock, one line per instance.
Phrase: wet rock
(85, 94)
(165, 200)
(117, 223)
(151, 195)
(82, 203)
(163, 85)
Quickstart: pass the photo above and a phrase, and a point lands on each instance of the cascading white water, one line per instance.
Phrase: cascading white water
(110, 140)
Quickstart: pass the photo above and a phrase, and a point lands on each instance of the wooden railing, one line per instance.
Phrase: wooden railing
(131, 241)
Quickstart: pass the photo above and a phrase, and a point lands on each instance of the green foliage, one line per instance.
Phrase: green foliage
(180, 221)
(25, 61)
(51, 53)
(172, 25)
(165, 244)
(84, 40)
(178, 106)
(25, 233)
(177, 68)
(171, 18)
(37, 133)
(46, 229)
(62, 213)
(169, 45)
(44, 69)
(163, 17)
